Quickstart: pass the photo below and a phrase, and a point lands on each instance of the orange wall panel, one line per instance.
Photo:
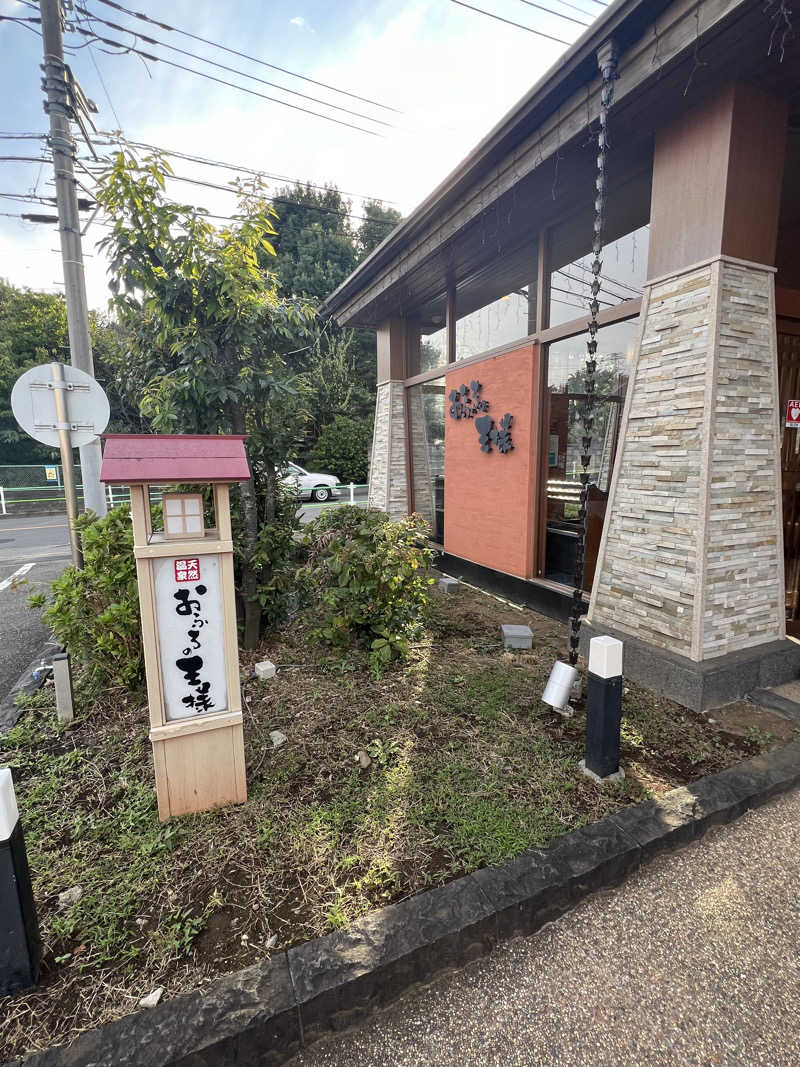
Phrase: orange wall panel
(489, 497)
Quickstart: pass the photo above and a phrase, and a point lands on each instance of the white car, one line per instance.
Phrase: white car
(311, 486)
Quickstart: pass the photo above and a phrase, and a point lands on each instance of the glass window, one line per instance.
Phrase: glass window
(426, 409)
(623, 275)
(504, 320)
(566, 394)
(432, 350)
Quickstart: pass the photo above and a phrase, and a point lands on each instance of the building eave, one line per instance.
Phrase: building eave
(624, 19)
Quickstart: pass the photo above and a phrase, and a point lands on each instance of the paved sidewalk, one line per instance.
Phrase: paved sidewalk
(695, 960)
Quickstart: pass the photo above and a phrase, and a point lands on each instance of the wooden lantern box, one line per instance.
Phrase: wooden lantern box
(188, 612)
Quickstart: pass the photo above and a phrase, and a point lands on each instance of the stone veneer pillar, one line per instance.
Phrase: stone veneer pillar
(691, 559)
(398, 358)
(388, 480)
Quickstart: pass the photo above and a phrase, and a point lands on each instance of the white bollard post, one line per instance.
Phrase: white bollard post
(110, 496)
(603, 711)
(352, 493)
(3, 500)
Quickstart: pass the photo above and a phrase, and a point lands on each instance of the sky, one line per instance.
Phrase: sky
(451, 73)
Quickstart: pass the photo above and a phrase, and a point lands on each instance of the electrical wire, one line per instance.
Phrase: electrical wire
(550, 11)
(104, 86)
(243, 55)
(221, 81)
(574, 7)
(204, 161)
(231, 70)
(509, 22)
(241, 168)
(302, 205)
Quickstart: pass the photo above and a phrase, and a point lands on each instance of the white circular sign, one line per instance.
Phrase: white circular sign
(33, 401)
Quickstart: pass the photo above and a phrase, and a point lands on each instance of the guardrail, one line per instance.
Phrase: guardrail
(116, 494)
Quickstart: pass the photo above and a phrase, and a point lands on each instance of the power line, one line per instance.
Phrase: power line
(550, 11)
(103, 84)
(221, 81)
(517, 25)
(231, 70)
(574, 7)
(243, 55)
(204, 161)
(301, 205)
(282, 200)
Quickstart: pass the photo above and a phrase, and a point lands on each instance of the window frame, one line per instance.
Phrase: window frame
(543, 336)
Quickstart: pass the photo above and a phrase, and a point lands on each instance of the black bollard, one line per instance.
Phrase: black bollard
(20, 948)
(603, 710)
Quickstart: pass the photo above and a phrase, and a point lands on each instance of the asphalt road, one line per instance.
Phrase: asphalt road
(310, 511)
(33, 551)
(692, 962)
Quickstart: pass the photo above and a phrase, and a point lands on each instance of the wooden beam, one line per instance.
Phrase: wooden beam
(450, 324)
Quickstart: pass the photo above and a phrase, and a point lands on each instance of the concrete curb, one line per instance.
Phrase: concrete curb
(28, 682)
(265, 1014)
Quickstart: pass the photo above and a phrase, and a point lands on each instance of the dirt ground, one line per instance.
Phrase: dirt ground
(383, 788)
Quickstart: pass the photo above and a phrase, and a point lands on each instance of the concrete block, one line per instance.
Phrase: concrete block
(265, 670)
(446, 584)
(517, 636)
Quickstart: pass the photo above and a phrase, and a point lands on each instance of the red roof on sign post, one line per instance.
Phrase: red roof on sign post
(133, 458)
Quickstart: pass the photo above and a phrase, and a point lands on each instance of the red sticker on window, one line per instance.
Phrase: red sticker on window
(793, 413)
(187, 570)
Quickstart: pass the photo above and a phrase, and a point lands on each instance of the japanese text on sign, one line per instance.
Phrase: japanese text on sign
(187, 570)
(190, 633)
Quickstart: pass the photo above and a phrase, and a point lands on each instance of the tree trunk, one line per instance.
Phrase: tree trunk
(247, 491)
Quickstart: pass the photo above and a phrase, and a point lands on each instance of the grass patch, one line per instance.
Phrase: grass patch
(467, 768)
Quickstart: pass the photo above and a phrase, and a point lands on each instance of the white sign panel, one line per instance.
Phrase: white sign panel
(190, 635)
(34, 405)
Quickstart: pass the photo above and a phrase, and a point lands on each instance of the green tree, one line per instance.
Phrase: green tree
(379, 223)
(315, 245)
(331, 384)
(33, 330)
(208, 334)
(342, 449)
(319, 243)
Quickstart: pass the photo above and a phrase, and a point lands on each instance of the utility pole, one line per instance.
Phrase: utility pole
(58, 107)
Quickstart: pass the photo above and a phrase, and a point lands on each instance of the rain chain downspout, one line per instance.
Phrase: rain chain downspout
(563, 676)
(607, 59)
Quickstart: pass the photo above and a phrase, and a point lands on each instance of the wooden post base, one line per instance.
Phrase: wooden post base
(199, 764)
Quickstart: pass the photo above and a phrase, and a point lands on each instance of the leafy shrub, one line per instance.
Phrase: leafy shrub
(94, 612)
(275, 557)
(342, 449)
(368, 576)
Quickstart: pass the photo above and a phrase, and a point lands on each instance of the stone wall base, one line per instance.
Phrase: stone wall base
(709, 683)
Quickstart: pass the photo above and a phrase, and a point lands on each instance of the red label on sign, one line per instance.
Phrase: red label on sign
(793, 413)
(187, 570)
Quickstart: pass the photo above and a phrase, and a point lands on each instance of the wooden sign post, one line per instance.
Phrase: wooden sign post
(188, 612)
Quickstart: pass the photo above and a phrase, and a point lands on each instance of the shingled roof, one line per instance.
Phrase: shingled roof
(130, 458)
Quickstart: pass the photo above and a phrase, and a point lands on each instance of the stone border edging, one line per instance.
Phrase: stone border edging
(266, 1013)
